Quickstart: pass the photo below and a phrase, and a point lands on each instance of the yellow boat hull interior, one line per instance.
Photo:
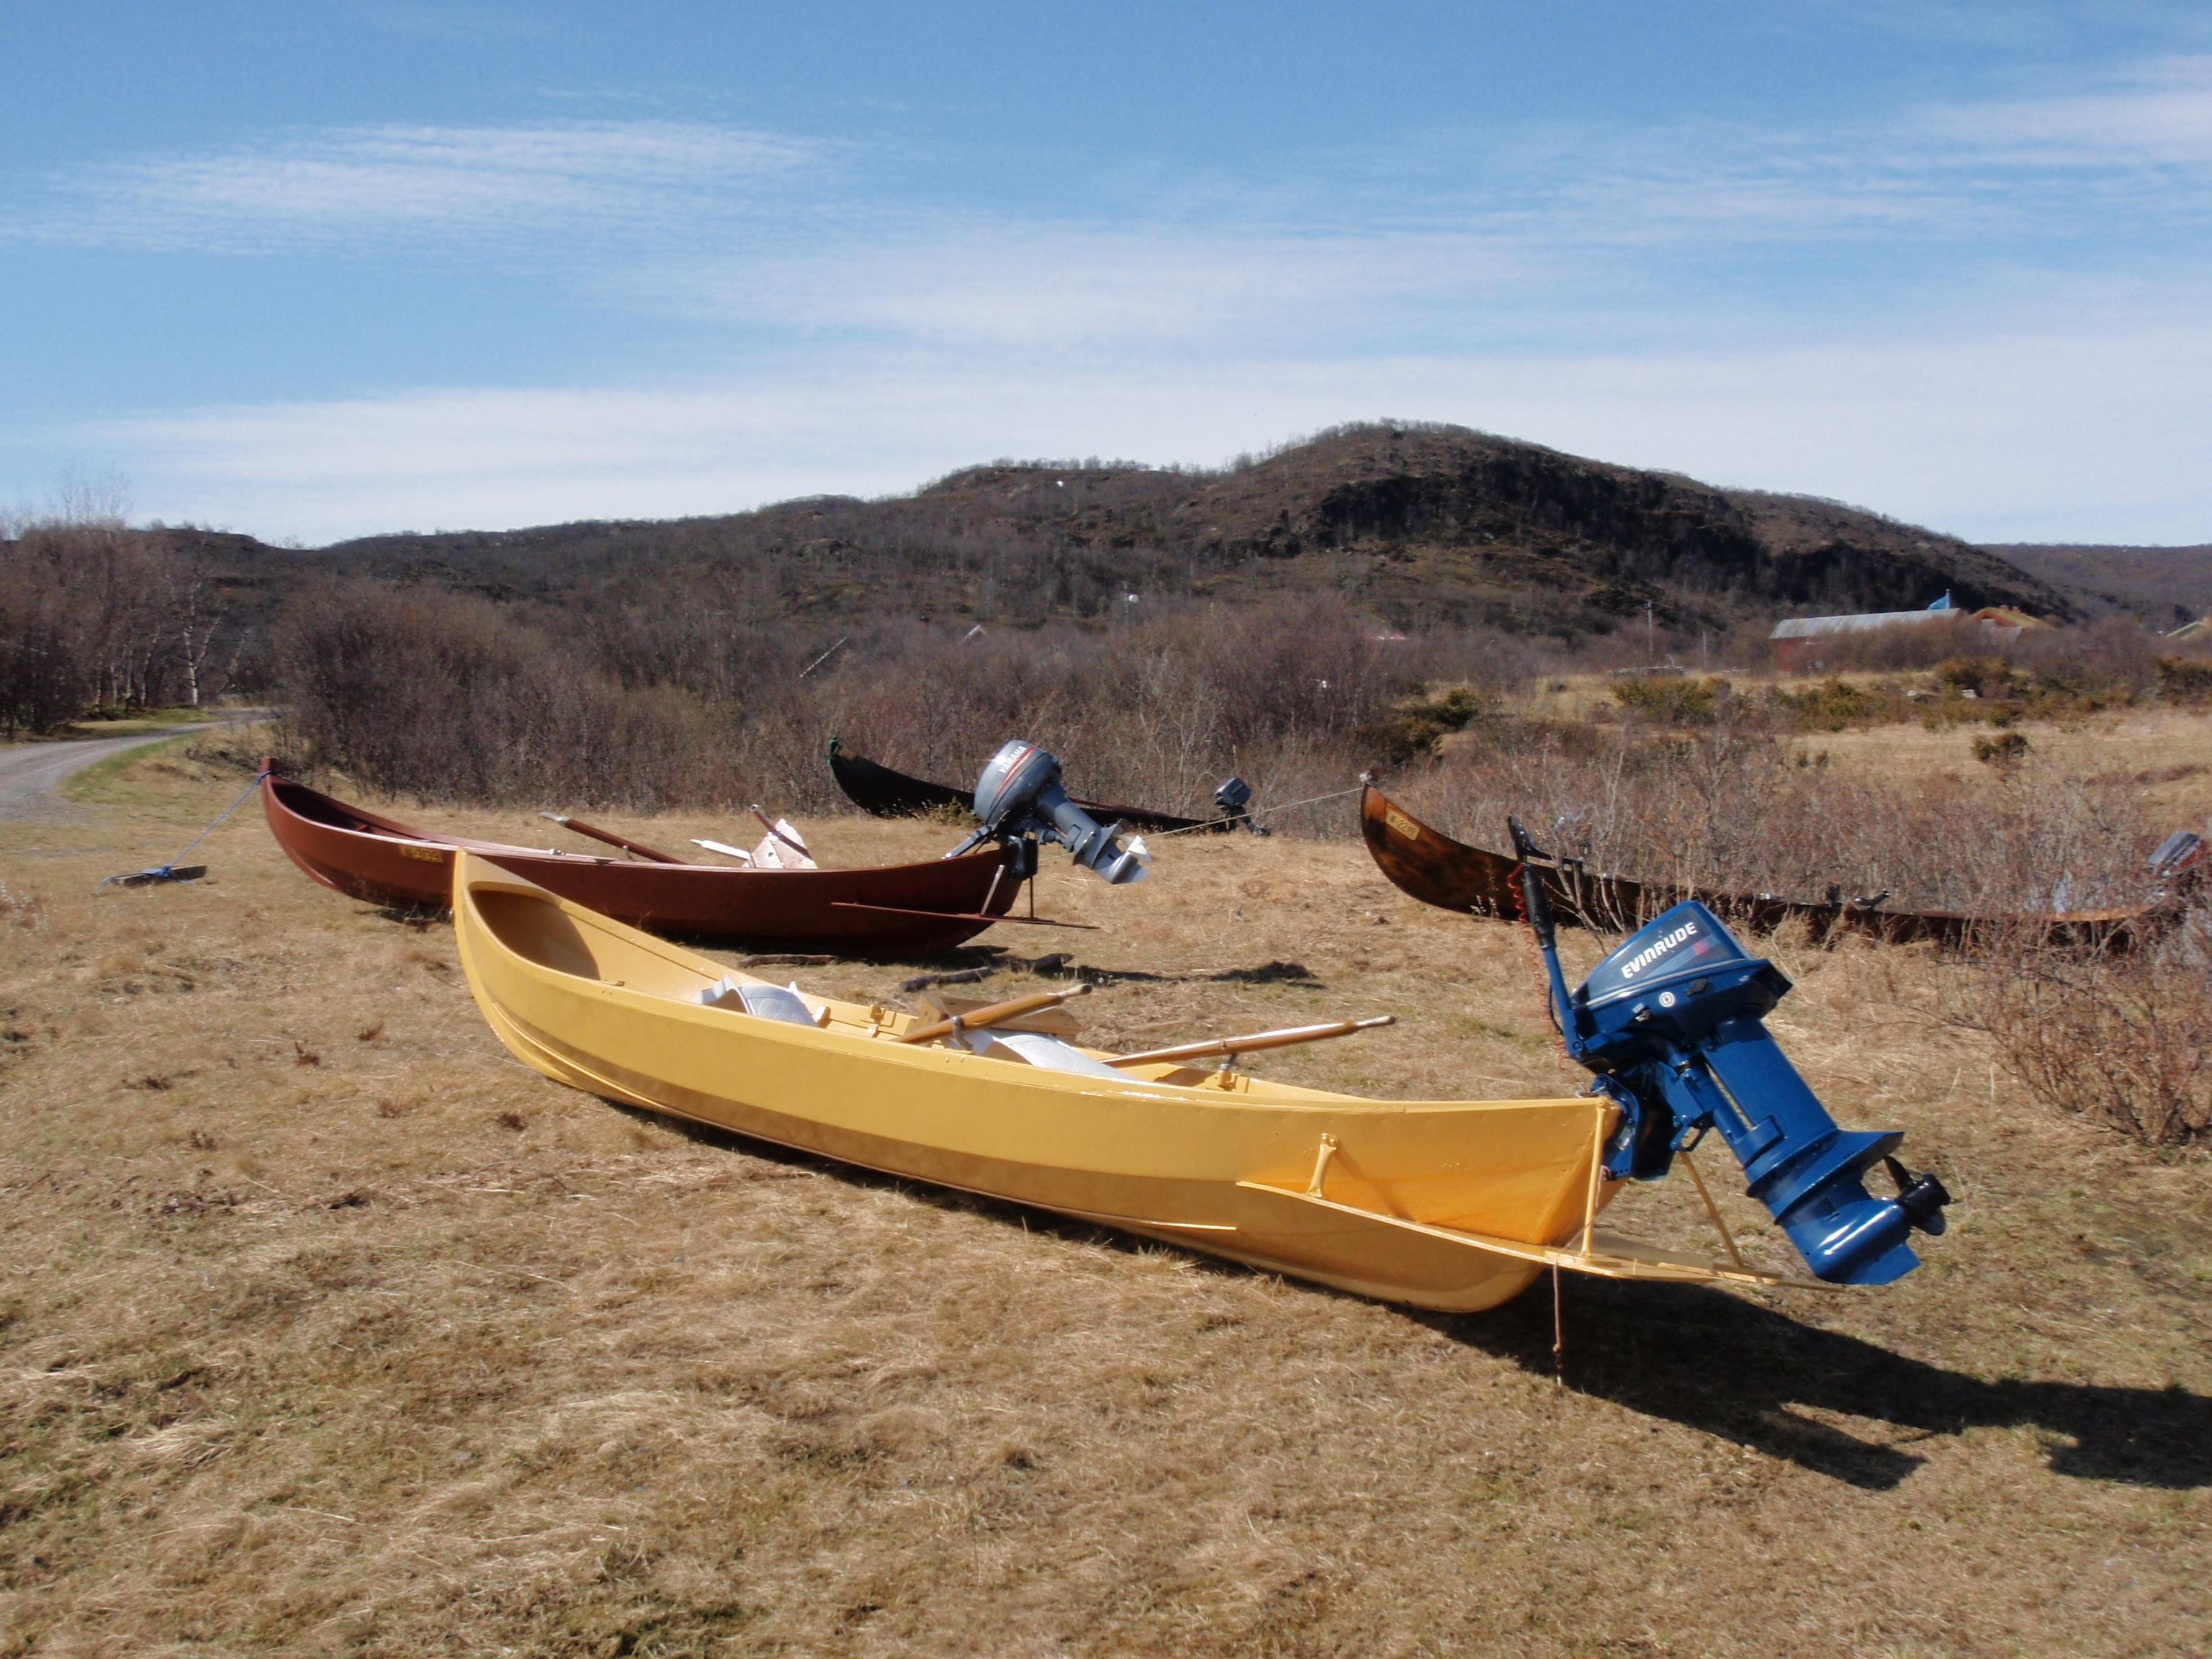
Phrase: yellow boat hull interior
(1451, 1204)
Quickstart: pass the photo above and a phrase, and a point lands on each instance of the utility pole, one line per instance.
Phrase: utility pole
(1651, 637)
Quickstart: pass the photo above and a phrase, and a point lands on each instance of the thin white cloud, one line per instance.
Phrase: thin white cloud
(2005, 434)
(729, 194)
(1574, 232)
(1591, 293)
(2159, 111)
(390, 184)
(1054, 287)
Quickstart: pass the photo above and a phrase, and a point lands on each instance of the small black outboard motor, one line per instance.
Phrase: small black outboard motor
(1019, 795)
(1670, 1024)
(1232, 804)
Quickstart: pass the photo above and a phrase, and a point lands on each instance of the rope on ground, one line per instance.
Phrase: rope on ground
(171, 871)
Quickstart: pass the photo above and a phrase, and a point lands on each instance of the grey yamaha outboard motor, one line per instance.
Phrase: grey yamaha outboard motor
(1670, 1024)
(1019, 795)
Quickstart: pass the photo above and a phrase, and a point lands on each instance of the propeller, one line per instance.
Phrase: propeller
(1921, 1197)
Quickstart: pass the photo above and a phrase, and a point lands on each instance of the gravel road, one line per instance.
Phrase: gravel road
(31, 773)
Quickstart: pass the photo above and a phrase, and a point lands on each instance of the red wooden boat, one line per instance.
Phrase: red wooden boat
(1424, 863)
(890, 909)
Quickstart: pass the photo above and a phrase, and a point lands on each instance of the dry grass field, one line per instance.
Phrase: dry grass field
(2166, 752)
(326, 1326)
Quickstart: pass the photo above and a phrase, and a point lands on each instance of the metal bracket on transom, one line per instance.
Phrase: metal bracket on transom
(1320, 1165)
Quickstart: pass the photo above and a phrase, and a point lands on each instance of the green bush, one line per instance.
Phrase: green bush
(1454, 711)
(1672, 699)
(1416, 731)
(2184, 680)
(1985, 677)
(1836, 703)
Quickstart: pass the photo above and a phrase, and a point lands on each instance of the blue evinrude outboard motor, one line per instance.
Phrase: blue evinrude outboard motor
(1670, 1024)
(1019, 795)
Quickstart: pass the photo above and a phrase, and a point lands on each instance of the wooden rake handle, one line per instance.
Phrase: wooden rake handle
(995, 1014)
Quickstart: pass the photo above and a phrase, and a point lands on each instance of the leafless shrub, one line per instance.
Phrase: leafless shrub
(449, 697)
(441, 696)
(1735, 807)
(2185, 680)
(2106, 655)
(2124, 1041)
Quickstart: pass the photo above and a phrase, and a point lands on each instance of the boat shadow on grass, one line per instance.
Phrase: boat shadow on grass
(1731, 1368)
(969, 965)
(1710, 1360)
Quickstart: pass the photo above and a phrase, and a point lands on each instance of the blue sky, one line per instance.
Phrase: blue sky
(312, 271)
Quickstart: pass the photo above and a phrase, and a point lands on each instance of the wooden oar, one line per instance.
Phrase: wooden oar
(794, 845)
(612, 839)
(1245, 1045)
(979, 1018)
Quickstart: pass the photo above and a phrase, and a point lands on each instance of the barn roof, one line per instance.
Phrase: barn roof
(1809, 628)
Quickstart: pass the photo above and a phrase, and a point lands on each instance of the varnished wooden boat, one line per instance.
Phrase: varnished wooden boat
(890, 909)
(1453, 1204)
(882, 792)
(1425, 863)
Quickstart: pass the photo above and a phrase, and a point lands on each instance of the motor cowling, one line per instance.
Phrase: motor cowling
(1020, 794)
(1671, 1022)
(1232, 805)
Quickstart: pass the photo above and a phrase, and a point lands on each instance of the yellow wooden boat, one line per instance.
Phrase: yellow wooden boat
(1451, 1205)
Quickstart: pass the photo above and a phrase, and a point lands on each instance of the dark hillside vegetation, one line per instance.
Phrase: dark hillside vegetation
(1421, 525)
(2162, 587)
(1418, 528)
(1287, 618)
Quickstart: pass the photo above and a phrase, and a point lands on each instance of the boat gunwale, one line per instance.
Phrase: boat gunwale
(375, 828)
(1257, 1094)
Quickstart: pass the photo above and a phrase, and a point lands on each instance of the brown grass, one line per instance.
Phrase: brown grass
(410, 1349)
(2162, 755)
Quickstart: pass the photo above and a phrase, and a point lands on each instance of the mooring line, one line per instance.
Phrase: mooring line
(1216, 824)
(161, 871)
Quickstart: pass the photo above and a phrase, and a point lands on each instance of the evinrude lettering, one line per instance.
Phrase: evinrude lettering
(1652, 952)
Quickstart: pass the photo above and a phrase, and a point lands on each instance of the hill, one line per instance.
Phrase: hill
(1422, 525)
(2160, 586)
